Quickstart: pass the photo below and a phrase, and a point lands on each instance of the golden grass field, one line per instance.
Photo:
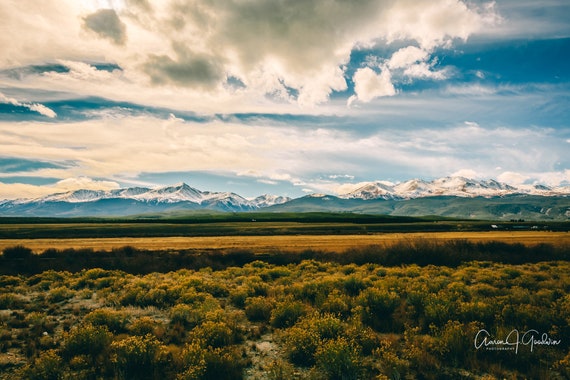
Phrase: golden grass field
(286, 243)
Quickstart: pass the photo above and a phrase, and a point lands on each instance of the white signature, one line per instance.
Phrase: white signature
(513, 340)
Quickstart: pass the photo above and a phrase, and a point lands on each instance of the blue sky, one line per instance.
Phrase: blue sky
(283, 97)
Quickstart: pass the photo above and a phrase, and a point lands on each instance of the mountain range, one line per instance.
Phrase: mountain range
(449, 196)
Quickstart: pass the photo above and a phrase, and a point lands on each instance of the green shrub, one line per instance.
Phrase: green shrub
(239, 296)
(353, 285)
(389, 360)
(364, 337)
(258, 309)
(59, 294)
(11, 301)
(87, 340)
(186, 315)
(213, 334)
(48, 366)
(138, 357)
(378, 306)
(8, 281)
(225, 363)
(301, 345)
(455, 341)
(115, 321)
(193, 362)
(279, 370)
(327, 326)
(287, 313)
(310, 332)
(339, 359)
(37, 321)
(145, 325)
(336, 303)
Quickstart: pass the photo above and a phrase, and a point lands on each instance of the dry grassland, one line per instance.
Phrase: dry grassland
(286, 243)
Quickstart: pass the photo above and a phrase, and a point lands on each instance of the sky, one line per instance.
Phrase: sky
(281, 97)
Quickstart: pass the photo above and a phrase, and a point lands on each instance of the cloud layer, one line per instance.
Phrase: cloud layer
(292, 50)
(121, 148)
(304, 95)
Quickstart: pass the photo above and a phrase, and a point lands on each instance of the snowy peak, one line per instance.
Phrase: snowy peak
(75, 196)
(167, 196)
(372, 190)
(170, 194)
(267, 200)
(414, 188)
(448, 186)
(140, 200)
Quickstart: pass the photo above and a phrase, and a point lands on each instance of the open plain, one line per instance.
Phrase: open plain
(285, 243)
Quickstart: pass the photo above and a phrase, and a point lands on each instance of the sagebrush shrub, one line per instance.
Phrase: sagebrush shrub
(115, 321)
(145, 325)
(213, 334)
(137, 357)
(287, 313)
(339, 359)
(258, 309)
(59, 294)
(377, 308)
(87, 340)
(186, 315)
(225, 363)
(301, 345)
(48, 366)
(193, 361)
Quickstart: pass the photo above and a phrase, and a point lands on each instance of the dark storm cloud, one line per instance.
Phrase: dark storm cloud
(187, 69)
(107, 24)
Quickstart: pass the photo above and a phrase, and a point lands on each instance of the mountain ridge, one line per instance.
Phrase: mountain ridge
(446, 186)
(447, 196)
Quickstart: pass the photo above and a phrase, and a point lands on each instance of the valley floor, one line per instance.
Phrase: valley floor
(288, 243)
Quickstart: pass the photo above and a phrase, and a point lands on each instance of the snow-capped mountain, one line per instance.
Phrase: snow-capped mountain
(267, 200)
(371, 190)
(447, 186)
(413, 198)
(135, 200)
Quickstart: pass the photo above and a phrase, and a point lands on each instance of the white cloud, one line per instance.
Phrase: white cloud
(467, 173)
(341, 176)
(69, 184)
(185, 48)
(554, 178)
(407, 56)
(267, 181)
(424, 70)
(471, 89)
(22, 190)
(434, 23)
(36, 107)
(413, 62)
(41, 109)
(512, 178)
(406, 63)
(369, 85)
(549, 178)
